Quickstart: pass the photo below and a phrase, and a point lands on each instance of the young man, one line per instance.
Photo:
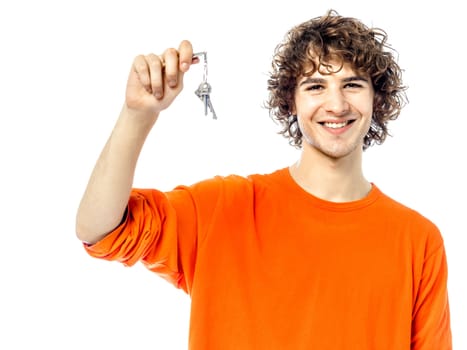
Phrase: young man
(311, 256)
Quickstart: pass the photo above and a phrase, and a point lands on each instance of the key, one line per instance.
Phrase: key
(214, 116)
(204, 89)
(203, 92)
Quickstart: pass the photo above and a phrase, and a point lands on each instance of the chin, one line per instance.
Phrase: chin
(338, 151)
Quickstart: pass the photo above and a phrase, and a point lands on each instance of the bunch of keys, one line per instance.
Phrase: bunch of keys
(204, 89)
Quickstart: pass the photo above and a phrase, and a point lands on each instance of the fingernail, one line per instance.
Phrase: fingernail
(185, 66)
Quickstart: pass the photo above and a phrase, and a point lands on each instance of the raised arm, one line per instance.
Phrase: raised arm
(153, 84)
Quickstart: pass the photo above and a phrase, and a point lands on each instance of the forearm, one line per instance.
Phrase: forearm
(106, 195)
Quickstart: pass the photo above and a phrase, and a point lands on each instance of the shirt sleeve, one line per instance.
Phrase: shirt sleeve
(154, 232)
(430, 319)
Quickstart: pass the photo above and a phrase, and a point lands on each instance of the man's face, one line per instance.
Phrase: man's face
(334, 110)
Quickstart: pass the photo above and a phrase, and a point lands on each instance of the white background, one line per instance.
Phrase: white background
(63, 69)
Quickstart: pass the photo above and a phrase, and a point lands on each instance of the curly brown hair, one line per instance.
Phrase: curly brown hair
(328, 38)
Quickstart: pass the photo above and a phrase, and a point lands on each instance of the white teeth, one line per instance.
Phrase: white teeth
(335, 125)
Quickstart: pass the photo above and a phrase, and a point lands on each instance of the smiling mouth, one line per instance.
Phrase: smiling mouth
(339, 125)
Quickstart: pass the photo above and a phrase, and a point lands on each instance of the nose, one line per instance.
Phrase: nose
(336, 103)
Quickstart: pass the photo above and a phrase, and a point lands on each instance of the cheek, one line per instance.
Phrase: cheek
(305, 107)
(368, 112)
(372, 99)
(364, 106)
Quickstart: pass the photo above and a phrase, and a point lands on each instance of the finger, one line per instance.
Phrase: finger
(171, 67)
(185, 50)
(141, 68)
(156, 71)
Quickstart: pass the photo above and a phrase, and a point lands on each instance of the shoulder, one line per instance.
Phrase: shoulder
(419, 226)
(275, 179)
(236, 181)
(230, 188)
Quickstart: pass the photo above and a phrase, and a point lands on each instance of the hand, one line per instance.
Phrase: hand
(155, 81)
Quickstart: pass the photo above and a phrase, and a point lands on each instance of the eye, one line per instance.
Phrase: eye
(314, 87)
(353, 86)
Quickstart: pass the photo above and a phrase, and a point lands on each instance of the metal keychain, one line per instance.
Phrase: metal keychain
(204, 89)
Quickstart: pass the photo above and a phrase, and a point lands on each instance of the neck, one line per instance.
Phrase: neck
(335, 180)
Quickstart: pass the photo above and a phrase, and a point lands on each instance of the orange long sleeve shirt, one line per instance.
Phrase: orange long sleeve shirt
(269, 266)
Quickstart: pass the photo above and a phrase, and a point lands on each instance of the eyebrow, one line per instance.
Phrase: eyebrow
(311, 80)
